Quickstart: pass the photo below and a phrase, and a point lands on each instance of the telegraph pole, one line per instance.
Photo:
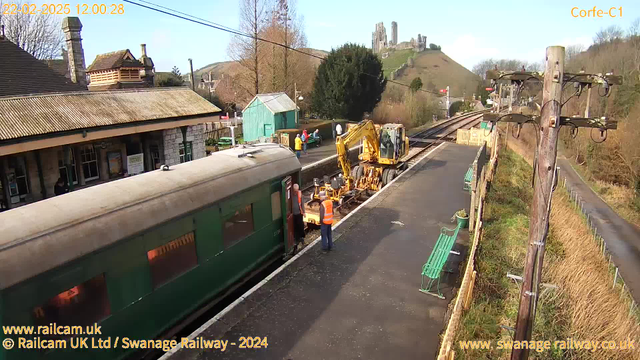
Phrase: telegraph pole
(544, 176)
(193, 83)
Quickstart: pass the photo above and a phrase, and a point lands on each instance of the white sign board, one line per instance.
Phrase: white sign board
(135, 164)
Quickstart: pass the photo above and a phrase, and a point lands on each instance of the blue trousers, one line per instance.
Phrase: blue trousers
(304, 147)
(327, 241)
(298, 154)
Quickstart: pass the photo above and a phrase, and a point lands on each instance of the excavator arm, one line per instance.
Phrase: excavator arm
(366, 131)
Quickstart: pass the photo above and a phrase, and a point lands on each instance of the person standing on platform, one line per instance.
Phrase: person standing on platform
(326, 219)
(298, 146)
(338, 129)
(305, 140)
(298, 214)
(333, 128)
(60, 187)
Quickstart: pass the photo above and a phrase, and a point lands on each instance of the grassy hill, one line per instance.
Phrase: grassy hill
(436, 70)
(232, 68)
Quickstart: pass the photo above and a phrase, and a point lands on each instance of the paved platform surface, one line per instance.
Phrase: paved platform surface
(622, 238)
(360, 300)
(314, 154)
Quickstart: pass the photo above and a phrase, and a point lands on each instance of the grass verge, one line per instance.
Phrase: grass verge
(584, 307)
(622, 199)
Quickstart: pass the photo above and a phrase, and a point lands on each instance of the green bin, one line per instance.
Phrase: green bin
(463, 222)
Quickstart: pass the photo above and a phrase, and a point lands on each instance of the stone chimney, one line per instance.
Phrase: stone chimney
(149, 72)
(71, 26)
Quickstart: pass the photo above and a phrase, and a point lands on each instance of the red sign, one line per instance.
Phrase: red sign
(444, 91)
(489, 89)
(224, 117)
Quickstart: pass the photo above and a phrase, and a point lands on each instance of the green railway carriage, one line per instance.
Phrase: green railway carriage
(138, 255)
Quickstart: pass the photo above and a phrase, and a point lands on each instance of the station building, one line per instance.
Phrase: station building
(52, 126)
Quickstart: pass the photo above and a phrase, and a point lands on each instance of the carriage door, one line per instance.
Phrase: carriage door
(287, 213)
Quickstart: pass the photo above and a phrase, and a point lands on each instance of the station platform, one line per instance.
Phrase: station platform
(315, 154)
(360, 300)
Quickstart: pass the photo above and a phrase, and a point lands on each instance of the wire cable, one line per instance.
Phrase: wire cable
(200, 21)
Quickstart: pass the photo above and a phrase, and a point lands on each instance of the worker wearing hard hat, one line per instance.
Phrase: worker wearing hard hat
(326, 221)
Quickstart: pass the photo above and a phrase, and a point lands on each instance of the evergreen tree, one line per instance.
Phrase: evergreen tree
(349, 82)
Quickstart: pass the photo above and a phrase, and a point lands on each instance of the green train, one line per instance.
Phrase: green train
(138, 255)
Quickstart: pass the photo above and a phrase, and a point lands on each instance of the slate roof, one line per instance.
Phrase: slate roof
(60, 66)
(32, 115)
(21, 73)
(275, 102)
(113, 60)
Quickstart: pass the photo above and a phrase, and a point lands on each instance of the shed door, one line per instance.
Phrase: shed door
(287, 214)
(268, 130)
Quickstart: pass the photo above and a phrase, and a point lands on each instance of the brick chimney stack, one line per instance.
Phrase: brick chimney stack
(71, 26)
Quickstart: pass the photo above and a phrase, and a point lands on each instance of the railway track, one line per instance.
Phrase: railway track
(427, 138)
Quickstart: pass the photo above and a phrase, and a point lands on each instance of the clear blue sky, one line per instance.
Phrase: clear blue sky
(463, 28)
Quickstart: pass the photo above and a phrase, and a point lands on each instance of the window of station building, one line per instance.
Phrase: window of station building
(172, 259)
(63, 169)
(17, 179)
(276, 206)
(89, 160)
(238, 226)
(188, 156)
(84, 304)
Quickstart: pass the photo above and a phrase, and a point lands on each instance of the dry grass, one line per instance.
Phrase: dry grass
(621, 199)
(597, 312)
(584, 307)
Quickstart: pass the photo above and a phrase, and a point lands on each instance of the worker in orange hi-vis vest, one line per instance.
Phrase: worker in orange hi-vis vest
(326, 220)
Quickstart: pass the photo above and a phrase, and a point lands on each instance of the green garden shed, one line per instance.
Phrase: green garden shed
(267, 113)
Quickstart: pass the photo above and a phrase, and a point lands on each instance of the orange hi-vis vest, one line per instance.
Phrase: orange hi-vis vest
(300, 200)
(328, 212)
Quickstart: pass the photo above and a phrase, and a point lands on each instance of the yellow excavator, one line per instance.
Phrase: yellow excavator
(381, 161)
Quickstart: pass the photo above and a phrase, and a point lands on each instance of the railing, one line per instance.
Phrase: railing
(614, 271)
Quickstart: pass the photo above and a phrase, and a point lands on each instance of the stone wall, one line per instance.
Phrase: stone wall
(173, 139)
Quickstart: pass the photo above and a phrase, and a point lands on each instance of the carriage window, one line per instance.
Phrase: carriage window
(172, 259)
(83, 304)
(276, 207)
(238, 226)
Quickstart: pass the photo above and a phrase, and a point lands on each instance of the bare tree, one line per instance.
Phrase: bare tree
(39, 35)
(482, 67)
(285, 27)
(610, 34)
(245, 50)
(573, 51)
(634, 28)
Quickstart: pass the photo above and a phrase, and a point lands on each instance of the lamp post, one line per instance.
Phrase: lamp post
(297, 97)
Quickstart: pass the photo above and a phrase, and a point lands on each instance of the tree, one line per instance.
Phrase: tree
(39, 35)
(349, 82)
(246, 51)
(610, 34)
(176, 72)
(279, 65)
(416, 84)
(174, 78)
(433, 46)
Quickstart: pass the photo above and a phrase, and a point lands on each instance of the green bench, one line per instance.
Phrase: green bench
(467, 179)
(433, 268)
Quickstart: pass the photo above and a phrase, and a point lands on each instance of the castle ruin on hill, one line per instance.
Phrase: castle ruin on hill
(380, 44)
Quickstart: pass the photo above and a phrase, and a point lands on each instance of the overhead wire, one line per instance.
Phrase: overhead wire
(204, 22)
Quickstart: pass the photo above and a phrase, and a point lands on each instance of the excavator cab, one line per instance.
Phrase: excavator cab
(393, 143)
